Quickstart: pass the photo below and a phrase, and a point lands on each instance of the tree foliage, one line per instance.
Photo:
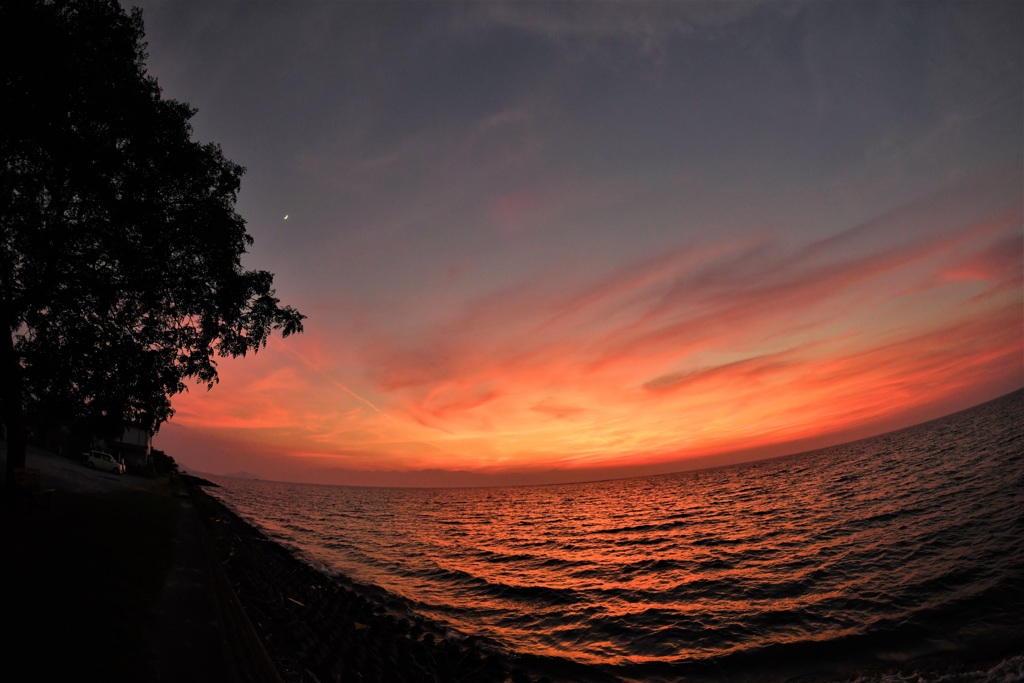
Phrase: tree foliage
(163, 463)
(120, 250)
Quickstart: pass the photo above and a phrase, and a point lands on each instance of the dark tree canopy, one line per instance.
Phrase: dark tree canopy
(120, 250)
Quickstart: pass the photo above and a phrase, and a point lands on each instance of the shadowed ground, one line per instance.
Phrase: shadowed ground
(132, 579)
(107, 580)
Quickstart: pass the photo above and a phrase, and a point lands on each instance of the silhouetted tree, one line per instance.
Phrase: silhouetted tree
(120, 250)
(163, 463)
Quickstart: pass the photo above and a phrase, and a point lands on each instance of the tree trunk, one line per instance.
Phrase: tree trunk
(13, 411)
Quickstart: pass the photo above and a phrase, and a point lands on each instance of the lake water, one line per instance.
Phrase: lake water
(872, 560)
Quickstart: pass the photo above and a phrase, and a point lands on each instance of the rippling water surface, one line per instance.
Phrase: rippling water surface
(854, 558)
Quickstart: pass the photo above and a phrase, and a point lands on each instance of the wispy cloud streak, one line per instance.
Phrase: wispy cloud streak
(878, 312)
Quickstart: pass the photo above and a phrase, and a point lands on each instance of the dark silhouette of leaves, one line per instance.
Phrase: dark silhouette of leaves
(120, 247)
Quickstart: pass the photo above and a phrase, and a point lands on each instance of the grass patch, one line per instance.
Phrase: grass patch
(81, 582)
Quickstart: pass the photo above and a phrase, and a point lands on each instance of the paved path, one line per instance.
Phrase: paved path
(188, 640)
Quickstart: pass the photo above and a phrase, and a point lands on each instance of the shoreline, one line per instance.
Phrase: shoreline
(220, 602)
(312, 620)
(318, 628)
(311, 623)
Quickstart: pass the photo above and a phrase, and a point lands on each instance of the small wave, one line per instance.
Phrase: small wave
(640, 528)
(498, 589)
(652, 566)
(504, 558)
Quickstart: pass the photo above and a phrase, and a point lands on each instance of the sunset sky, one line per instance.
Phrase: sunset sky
(551, 241)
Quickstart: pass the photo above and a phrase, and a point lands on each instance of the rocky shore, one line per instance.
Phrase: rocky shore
(324, 629)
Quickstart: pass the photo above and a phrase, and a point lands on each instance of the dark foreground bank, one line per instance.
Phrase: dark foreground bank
(84, 582)
(143, 581)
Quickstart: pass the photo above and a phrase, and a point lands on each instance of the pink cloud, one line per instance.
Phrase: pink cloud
(615, 334)
(707, 348)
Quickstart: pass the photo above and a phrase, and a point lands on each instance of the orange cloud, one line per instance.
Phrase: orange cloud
(704, 349)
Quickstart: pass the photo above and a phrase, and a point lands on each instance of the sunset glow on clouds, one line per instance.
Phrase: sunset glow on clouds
(540, 244)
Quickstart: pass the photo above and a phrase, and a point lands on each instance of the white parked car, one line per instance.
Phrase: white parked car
(103, 461)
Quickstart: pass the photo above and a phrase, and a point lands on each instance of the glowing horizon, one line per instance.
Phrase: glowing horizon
(539, 241)
(608, 375)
